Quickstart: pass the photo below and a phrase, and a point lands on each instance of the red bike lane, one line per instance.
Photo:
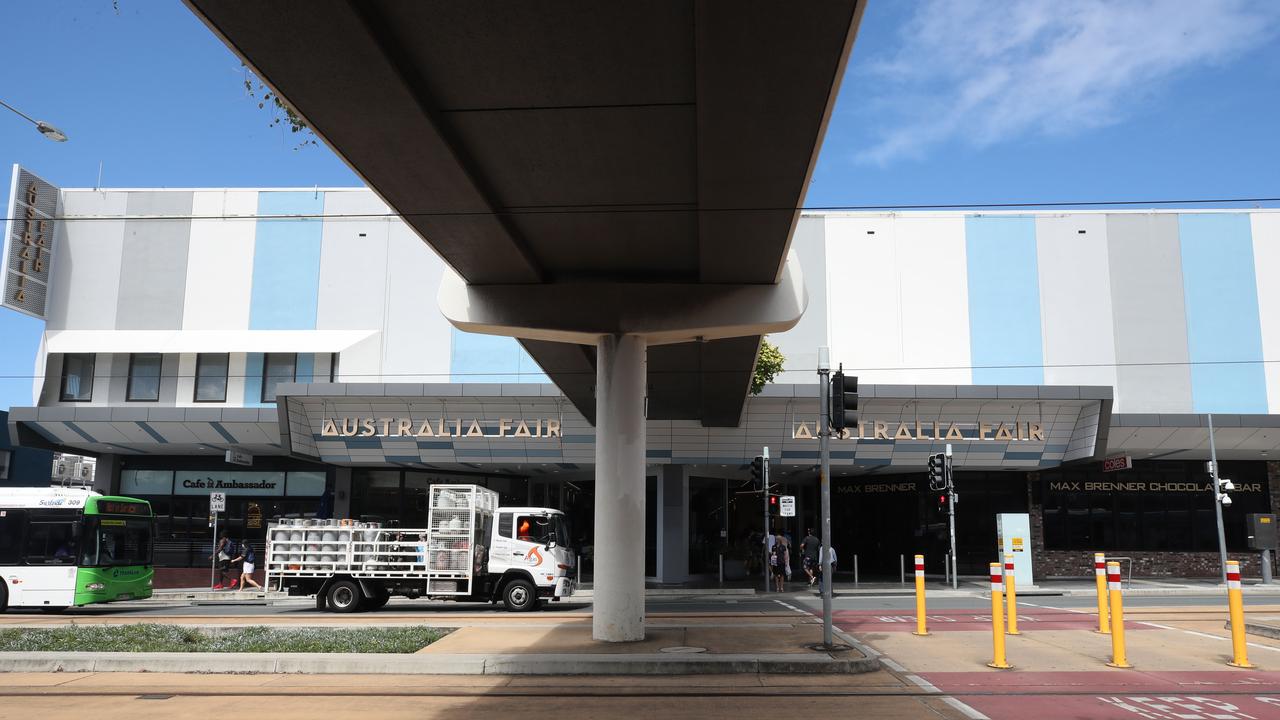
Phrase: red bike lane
(1118, 695)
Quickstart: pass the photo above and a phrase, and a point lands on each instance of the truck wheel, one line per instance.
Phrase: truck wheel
(345, 596)
(520, 596)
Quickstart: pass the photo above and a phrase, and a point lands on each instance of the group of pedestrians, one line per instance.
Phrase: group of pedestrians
(231, 554)
(777, 550)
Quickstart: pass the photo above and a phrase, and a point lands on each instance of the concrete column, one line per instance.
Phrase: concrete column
(618, 615)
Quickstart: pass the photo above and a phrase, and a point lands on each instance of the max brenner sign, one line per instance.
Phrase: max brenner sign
(28, 245)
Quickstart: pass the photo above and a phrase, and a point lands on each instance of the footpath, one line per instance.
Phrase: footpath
(785, 640)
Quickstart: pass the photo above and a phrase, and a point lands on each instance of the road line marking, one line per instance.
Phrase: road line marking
(967, 711)
(893, 665)
(924, 684)
(789, 606)
(929, 687)
(1207, 635)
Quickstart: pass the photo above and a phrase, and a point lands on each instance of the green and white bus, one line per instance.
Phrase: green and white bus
(61, 547)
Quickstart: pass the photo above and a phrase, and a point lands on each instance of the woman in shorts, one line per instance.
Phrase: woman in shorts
(249, 560)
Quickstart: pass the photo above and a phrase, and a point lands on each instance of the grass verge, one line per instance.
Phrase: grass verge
(175, 638)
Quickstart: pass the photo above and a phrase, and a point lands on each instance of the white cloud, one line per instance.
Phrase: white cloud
(980, 71)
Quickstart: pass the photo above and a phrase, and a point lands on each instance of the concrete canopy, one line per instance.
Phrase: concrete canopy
(667, 142)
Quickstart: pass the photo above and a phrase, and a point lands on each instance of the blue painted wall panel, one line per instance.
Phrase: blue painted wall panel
(1004, 301)
(490, 358)
(1222, 313)
(253, 380)
(286, 263)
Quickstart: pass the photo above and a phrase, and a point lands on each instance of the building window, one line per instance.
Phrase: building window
(77, 378)
(144, 377)
(211, 377)
(277, 368)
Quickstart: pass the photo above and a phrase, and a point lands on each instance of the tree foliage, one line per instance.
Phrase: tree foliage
(768, 365)
(280, 110)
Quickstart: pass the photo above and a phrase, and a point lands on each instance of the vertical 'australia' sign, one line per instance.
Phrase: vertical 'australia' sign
(28, 243)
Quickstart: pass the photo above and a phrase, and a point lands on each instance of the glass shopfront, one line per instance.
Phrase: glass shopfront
(1158, 505)
(180, 501)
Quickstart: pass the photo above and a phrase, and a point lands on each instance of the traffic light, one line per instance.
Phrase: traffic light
(773, 504)
(938, 472)
(942, 504)
(844, 401)
(1224, 485)
(757, 472)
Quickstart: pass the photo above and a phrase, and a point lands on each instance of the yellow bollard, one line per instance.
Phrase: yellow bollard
(1117, 617)
(1011, 595)
(920, 619)
(997, 618)
(1235, 602)
(1100, 577)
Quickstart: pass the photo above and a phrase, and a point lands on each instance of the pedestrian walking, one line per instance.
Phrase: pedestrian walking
(249, 561)
(767, 541)
(786, 540)
(833, 569)
(221, 555)
(778, 560)
(809, 555)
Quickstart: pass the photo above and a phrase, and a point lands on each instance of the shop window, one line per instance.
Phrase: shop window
(211, 377)
(77, 378)
(277, 368)
(144, 377)
(375, 495)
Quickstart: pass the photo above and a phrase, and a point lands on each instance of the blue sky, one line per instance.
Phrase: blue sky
(955, 101)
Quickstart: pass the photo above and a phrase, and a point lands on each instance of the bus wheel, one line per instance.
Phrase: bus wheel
(520, 596)
(344, 596)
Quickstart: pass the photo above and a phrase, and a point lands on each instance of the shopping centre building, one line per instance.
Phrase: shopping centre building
(300, 329)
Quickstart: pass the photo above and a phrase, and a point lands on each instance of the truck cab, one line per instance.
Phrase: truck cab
(532, 543)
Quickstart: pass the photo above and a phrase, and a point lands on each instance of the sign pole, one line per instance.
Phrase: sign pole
(824, 481)
(213, 559)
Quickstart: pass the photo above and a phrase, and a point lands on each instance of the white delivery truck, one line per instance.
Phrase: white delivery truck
(470, 550)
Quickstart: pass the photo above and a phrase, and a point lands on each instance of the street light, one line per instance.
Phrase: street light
(45, 128)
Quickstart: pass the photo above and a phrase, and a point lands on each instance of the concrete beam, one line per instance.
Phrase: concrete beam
(661, 313)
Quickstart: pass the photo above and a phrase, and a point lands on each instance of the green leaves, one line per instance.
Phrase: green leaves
(768, 364)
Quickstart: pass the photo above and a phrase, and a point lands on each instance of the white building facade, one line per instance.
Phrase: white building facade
(275, 322)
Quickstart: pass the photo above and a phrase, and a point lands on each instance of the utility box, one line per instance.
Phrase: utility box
(1013, 535)
(1262, 531)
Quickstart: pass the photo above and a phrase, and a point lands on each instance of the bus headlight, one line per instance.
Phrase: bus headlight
(95, 586)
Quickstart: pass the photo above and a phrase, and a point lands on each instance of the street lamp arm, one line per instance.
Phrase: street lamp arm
(45, 128)
(28, 118)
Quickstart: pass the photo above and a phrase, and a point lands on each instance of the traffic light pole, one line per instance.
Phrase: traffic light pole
(1217, 502)
(824, 481)
(764, 483)
(951, 514)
